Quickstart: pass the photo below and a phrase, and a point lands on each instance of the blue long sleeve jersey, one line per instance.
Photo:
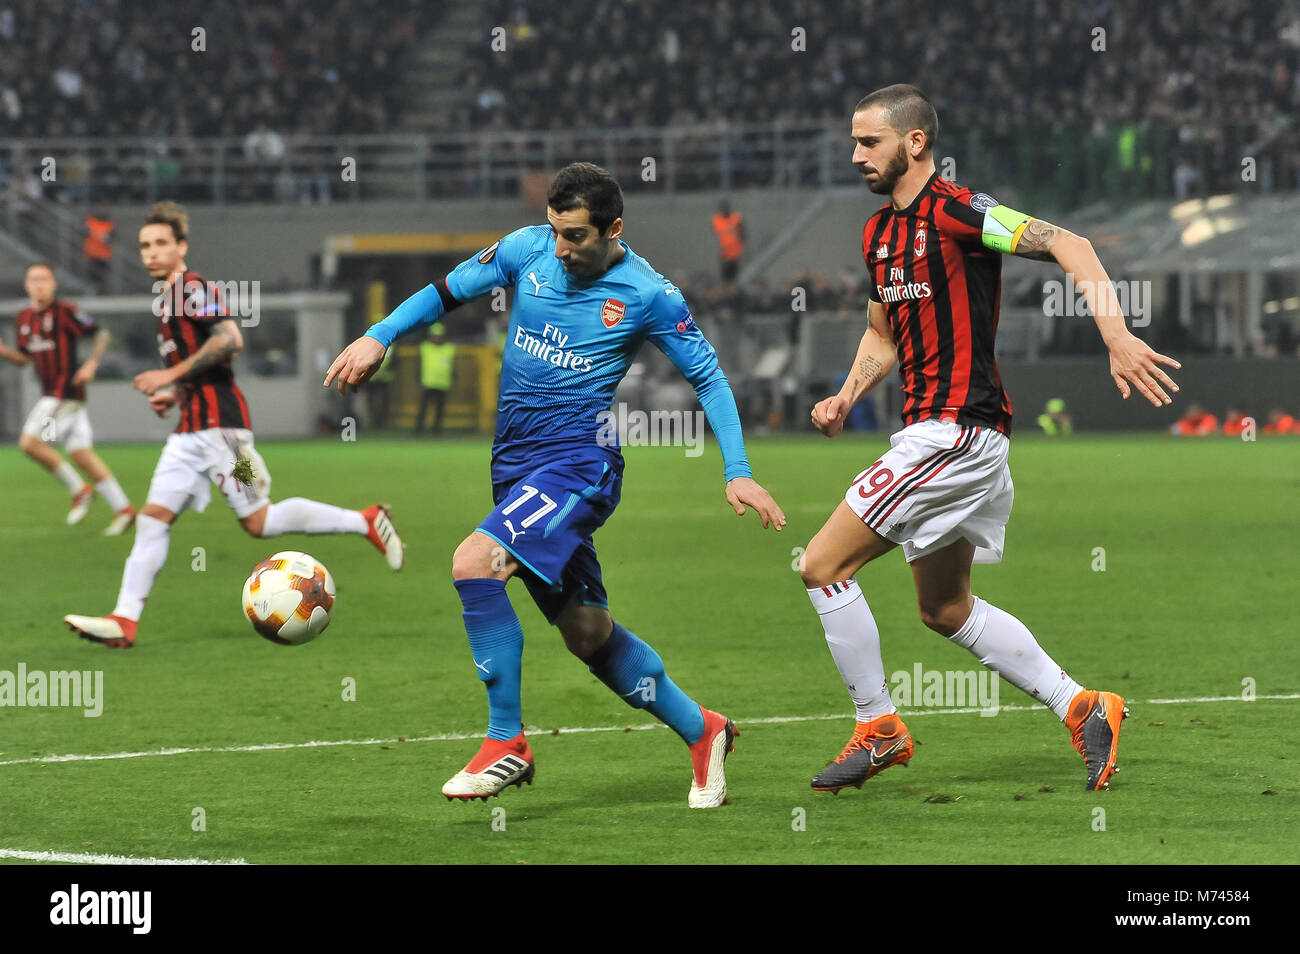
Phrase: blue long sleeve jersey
(571, 341)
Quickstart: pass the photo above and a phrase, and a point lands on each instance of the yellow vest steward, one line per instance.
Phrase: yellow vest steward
(435, 365)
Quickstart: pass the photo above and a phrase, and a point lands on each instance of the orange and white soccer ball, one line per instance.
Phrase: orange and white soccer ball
(289, 598)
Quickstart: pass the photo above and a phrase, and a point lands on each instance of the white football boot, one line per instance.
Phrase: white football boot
(81, 504)
(384, 536)
(708, 755)
(497, 764)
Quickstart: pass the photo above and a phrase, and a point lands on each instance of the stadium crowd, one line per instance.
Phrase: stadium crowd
(1164, 85)
(1165, 98)
(118, 68)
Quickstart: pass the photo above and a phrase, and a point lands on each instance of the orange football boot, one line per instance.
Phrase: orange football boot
(1094, 720)
(875, 746)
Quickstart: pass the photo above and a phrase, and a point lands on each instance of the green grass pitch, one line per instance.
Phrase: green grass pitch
(1195, 602)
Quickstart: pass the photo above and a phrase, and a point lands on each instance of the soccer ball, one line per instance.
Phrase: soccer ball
(289, 597)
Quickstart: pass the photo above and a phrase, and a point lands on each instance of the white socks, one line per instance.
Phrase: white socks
(999, 640)
(1002, 643)
(854, 642)
(111, 491)
(148, 554)
(68, 477)
(300, 515)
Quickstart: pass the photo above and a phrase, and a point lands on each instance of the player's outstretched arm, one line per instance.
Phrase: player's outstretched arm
(1133, 364)
(675, 333)
(223, 344)
(358, 362)
(876, 356)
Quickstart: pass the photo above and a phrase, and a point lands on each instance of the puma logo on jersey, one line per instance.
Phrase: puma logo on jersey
(514, 533)
(537, 286)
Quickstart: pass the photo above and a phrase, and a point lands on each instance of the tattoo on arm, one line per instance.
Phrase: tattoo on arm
(871, 369)
(1037, 241)
(218, 348)
(866, 376)
(99, 344)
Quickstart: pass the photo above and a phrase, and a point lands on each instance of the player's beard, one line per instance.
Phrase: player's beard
(586, 269)
(888, 177)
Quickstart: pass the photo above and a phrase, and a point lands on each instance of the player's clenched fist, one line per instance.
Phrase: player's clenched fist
(354, 366)
(161, 401)
(828, 416)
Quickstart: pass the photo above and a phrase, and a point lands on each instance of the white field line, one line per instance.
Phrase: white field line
(574, 730)
(80, 858)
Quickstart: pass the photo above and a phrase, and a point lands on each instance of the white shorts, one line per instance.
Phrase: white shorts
(937, 483)
(57, 421)
(191, 462)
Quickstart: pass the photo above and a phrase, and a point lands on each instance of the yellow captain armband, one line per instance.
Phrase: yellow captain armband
(1003, 227)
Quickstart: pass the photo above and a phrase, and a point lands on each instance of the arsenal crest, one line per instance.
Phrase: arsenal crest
(611, 313)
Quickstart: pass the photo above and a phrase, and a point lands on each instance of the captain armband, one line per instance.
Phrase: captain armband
(1003, 227)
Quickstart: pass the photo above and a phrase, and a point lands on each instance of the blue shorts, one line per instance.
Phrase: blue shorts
(546, 520)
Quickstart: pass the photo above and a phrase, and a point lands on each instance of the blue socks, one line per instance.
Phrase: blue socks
(497, 642)
(634, 671)
(625, 664)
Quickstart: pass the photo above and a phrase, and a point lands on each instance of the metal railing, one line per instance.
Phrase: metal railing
(424, 166)
(1071, 165)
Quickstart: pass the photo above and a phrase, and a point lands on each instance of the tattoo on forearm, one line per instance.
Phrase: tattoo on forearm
(1037, 241)
(215, 350)
(871, 369)
(867, 375)
(100, 345)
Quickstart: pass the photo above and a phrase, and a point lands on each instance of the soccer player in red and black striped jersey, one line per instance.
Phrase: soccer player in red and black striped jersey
(48, 331)
(197, 339)
(943, 490)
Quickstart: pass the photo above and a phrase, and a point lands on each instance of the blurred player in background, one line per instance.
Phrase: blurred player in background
(197, 340)
(584, 304)
(943, 489)
(48, 330)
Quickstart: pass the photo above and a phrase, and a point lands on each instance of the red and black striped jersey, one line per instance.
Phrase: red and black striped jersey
(49, 338)
(187, 311)
(941, 287)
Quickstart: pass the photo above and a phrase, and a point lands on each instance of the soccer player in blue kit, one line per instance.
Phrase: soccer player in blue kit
(584, 303)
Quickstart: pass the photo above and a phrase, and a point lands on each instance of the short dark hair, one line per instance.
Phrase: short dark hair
(170, 213)
(584, 185)
(906, 108)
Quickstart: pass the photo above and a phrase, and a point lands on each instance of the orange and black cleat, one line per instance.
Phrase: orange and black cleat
(875, 746)
(1094, 722)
